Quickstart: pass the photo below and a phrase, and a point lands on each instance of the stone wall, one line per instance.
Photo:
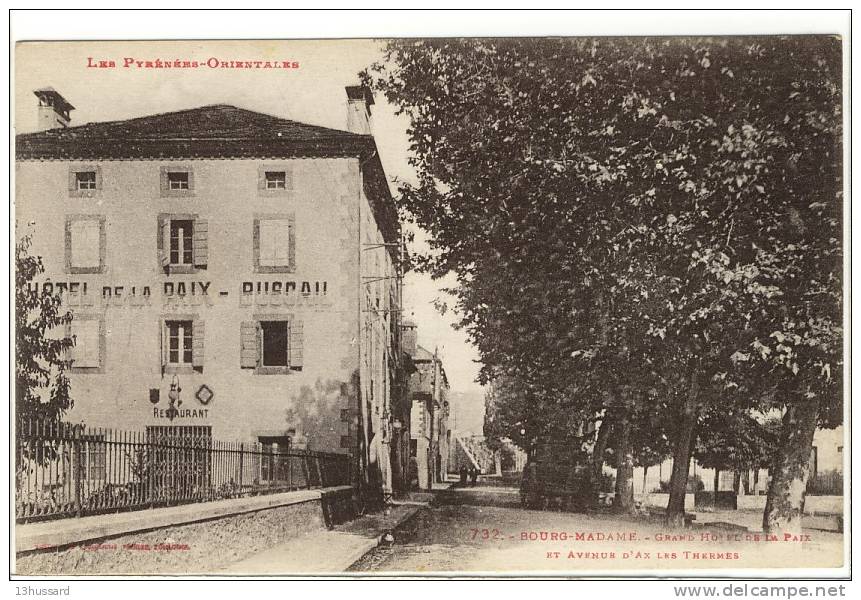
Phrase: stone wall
(195, 548)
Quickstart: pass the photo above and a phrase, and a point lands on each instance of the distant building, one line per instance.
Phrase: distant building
(825, 477)
(430, 435)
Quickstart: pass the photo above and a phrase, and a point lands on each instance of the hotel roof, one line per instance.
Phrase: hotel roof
(216, 131)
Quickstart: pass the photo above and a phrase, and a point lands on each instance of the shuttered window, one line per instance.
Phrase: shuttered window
(274, 243)
(179, 338)
(274, 239)
(183, 243)
(182, 343)
(85, 244)
(86, 353)
(181, 238)
(249, 346)
(273, 344)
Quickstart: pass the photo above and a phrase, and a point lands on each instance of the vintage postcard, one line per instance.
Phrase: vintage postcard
(515, 307)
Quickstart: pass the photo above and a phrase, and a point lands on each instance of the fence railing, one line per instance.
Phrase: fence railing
(65, 470)
(827, 483)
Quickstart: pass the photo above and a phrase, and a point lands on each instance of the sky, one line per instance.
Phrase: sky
(312, 93)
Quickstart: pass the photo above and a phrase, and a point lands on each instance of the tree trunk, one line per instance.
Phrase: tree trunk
(600, 448)
(682, 457)
(736, 481)
(645, 473)
(790, 470)
(623, 500)
(716, 483)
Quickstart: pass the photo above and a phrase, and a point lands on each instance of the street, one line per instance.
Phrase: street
(473, 538)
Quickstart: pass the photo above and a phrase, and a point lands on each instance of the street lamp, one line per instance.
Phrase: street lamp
(173, 397)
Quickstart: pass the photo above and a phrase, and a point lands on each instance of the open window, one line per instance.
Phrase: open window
(183, 243)
(182, 343)
(272, 345)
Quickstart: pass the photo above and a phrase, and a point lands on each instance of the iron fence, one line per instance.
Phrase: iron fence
(827, 483)
(65, 470)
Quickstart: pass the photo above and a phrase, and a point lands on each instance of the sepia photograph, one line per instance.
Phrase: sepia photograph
(569, 306)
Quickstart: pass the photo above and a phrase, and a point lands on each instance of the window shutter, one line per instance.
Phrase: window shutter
(164, 241)
(198, 333)
(288, 176)
(295, 348)
(201, 243)
(291, 228)
(86, 242)
(162, 345)
(249, 345)
(103, 242)
(86, 352)
(282, 242)
(255, 241)
(68, 245)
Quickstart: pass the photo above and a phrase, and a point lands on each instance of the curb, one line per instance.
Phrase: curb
(373, 544)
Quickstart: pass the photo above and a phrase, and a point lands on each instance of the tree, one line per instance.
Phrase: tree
(42, 391)
(624, 215)
(734, 441)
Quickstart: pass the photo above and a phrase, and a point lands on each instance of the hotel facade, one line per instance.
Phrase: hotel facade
(228, 272)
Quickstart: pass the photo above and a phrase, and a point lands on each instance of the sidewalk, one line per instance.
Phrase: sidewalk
(329, 551)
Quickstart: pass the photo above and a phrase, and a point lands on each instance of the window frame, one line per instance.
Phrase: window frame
(102, 343)
(74, 270)
(186, 326)
(282, 324)
(164, 181)
(181, 184)
(280, 183)
(187, 239)
(288, 319)
(79, 180)
(197, 329)
(163, 245)
(263, 188)
(290, 218)
(74, 191)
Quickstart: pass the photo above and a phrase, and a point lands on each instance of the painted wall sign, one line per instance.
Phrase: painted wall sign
(180, 413)
(306, 288)
(186, 292)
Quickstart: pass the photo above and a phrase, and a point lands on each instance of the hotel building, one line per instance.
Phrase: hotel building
(229, 272)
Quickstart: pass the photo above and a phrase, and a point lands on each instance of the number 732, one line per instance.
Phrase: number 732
(485, 534)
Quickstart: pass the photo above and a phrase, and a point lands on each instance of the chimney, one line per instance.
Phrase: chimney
(53, 110)
(409, 338)
(359, 102)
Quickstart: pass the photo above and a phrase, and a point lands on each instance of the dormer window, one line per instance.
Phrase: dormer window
(85, 180)
(177, 180)
(276, 180)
